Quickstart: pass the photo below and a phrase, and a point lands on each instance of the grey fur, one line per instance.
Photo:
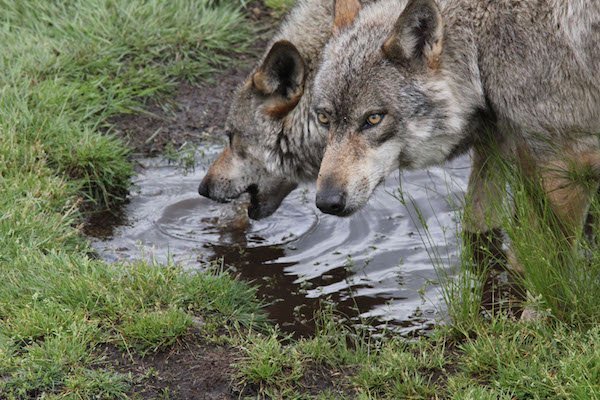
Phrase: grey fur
(271, 154)
(514, 74)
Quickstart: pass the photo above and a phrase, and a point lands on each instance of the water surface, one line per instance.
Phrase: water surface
(376, 265)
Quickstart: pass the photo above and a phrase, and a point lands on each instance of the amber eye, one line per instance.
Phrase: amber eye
(374, 119)
(323, 118)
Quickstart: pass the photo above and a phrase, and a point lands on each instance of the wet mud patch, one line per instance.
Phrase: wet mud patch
(195, 113)
(191, 369)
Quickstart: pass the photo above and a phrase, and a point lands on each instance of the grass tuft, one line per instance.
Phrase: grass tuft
(154, 330)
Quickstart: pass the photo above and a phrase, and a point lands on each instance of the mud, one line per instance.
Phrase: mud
(190, 370)
(193, 114)
(194, 370)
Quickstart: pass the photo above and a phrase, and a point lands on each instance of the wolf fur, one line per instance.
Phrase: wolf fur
(274, 141)
(520, 76)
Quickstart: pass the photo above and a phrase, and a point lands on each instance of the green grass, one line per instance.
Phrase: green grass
(480, 353)
(558, 275)
(500, 359)
(66, 68)
(564, 277)
(279, 6)
(69, 66)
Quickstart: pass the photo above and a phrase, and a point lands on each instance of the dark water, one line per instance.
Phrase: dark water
(376, 265)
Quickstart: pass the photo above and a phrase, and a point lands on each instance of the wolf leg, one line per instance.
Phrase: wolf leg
(569, 189)
(481, 222)
(569, 192)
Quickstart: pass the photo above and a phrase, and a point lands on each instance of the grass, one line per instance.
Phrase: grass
(279, 6)
(499, 358)
(563, 276)
(483, 352)
(67, 67)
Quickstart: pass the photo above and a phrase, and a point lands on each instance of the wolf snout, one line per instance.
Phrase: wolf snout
(204, 188)
(331, 201)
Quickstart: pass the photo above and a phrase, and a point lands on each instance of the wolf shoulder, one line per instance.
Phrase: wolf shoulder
(540, 61)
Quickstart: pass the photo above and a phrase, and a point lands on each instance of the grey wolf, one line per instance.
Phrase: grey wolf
(274, 142)
(410, 84)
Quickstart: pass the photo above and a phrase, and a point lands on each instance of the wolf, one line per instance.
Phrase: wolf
(411, 84)
(274, 141)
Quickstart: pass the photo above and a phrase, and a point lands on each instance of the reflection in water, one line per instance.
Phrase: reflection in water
(374, 264)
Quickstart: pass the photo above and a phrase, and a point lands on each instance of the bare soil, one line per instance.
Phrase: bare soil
(194, 113)
(194, 369)
(191, 369)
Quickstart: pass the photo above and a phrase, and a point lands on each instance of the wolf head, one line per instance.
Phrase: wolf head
(386, 100)
(256, 119)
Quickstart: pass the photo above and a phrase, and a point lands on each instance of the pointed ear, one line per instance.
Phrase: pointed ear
(280, 78)
(416, 41)
(344, 14)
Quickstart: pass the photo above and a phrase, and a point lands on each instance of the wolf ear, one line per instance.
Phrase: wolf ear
(416, 40)
(281, 78)
(344, 14)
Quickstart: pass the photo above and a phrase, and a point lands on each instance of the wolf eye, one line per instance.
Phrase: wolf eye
(323, 119)
(374, 119)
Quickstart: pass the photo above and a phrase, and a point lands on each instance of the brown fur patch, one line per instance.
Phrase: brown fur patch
(434, 55)
(281, 106)
(260, 80)
(568, 197)
(220, 167)
(345, 14)
(392, 50)
(248, 83)
(341, 160)
(569, 200)
(592, 160)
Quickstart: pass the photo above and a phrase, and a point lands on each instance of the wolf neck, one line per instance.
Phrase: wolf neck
(305, 143)
(301, 146)
(460, 68)
(479, 38)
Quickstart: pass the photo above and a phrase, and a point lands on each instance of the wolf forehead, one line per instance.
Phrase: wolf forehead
(354, 60)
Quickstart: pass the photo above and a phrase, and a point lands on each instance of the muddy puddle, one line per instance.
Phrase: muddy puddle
(376, 265)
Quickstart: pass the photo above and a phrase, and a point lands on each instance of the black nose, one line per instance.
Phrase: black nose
(331, 201)
(204, 188)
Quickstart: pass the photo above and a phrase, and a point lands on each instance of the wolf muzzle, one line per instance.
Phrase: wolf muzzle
(331, 201)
